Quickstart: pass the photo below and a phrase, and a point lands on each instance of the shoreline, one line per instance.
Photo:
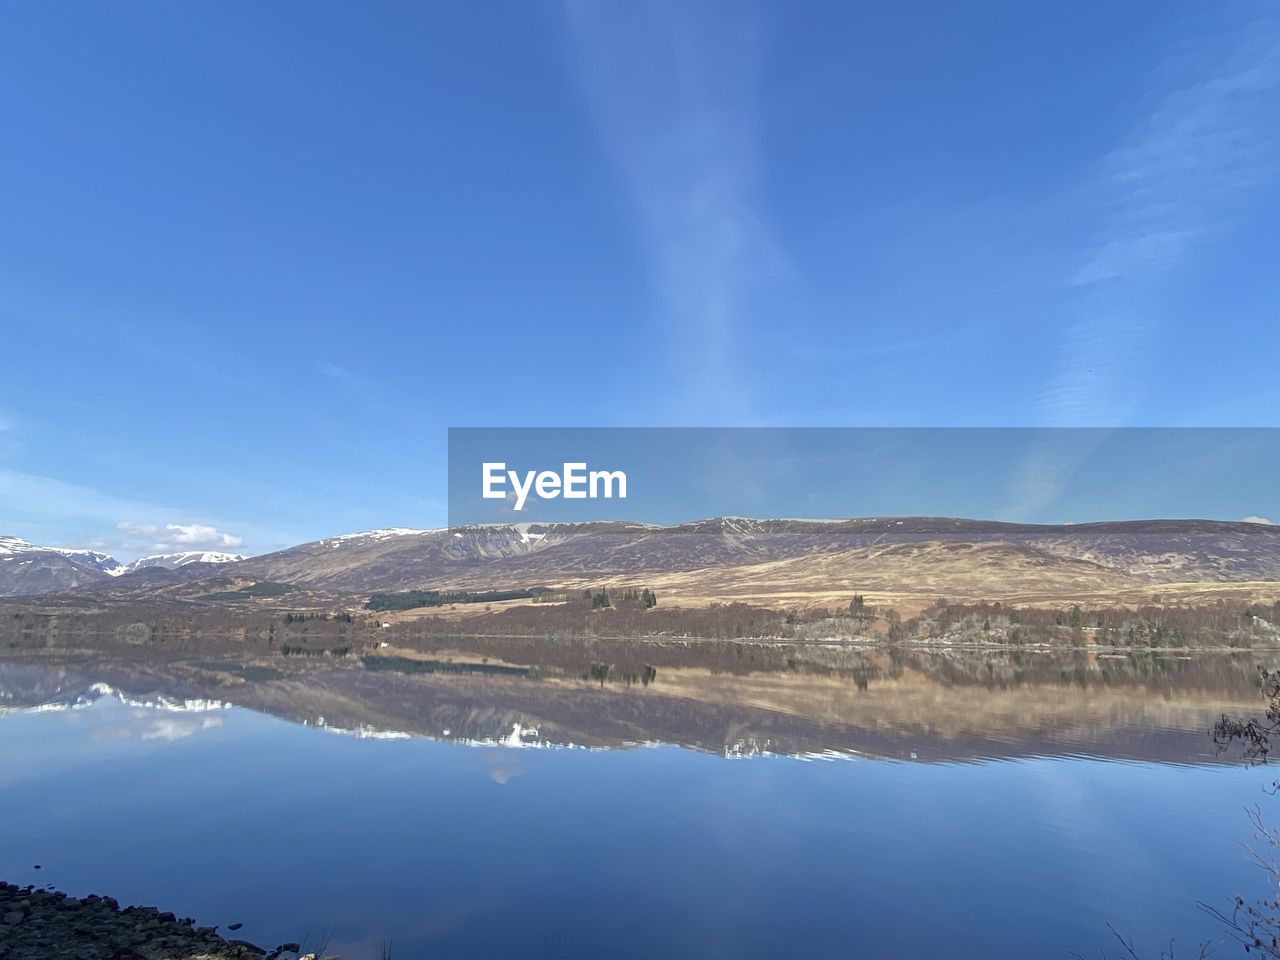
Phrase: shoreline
(43, 924)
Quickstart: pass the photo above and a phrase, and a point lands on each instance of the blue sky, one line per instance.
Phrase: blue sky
(255, 259)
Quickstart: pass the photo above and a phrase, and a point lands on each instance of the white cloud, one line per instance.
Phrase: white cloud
(201, 535)
(181, 534)
(145, 724)
(178, 728)
(1257, 519)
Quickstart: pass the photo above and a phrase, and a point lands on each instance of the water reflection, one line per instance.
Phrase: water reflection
(452, 818)
(951, 705)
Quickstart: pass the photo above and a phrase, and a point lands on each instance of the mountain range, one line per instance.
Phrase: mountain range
(718, 559)
(27, 569)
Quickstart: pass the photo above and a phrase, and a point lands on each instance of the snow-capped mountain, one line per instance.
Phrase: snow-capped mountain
(11, 545)
(27, 568)
(172, 561)
(88, 558)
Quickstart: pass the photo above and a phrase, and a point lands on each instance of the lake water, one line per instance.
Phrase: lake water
(461, 814)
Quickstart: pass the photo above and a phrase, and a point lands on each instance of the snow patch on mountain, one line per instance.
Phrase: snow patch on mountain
(92, 558)
(12, 545)
(376, 536)
(172, 561)
(80, 699)
(525, 535)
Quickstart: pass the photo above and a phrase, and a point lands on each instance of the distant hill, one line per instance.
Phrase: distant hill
(731, 557)
(1156, 551)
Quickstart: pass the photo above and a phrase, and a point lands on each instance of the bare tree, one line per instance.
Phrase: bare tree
(1255, 925)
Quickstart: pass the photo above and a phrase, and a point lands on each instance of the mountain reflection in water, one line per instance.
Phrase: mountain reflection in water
(451, 821)
(900, 704)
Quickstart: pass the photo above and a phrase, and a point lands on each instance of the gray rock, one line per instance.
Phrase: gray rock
(35, 925)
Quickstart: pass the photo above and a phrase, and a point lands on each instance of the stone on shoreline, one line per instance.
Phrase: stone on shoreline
(46, 925)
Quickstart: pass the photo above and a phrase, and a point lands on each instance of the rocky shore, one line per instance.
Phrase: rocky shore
(38, 924)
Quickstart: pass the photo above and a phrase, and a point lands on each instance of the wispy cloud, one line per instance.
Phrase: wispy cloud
(368, 391)
(675, 95)
(33, 496)
(861, 353)
(62, 509)
(1052, 461)
(1256, 519)
(1185, 174)
(335, 372)
(195, 353)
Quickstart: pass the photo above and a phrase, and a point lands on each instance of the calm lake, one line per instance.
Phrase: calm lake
(950, 805)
